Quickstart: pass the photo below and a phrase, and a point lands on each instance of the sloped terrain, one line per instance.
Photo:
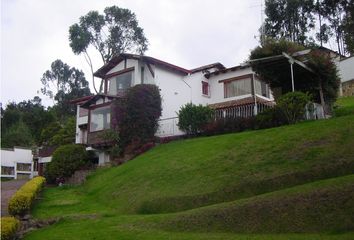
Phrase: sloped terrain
(292, 182)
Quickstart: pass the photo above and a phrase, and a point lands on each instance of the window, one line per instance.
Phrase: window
(205, 88)
(237, 87)
(83, 112)
(24, 167)
(100, 119)
(261, 88)
(120, 82)
(7, 170)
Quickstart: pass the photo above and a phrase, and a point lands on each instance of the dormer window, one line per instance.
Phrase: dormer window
(120, 82)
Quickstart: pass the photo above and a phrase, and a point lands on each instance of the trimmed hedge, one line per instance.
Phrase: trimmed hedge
(9, 227)
(20, 203)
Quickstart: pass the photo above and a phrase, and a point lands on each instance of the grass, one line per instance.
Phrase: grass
(221, 187)
(344, 106)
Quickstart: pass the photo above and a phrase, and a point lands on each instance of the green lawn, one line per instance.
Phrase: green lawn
(344, 106)
(291, 182)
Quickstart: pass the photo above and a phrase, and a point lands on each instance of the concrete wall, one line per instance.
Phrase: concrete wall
(10, 158)
(346, 73)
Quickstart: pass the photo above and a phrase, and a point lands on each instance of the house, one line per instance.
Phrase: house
(43, 156)
(234, 91)
(346, 72)
(18, 163)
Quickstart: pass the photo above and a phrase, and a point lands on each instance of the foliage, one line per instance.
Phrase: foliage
(112, 137)
(17, 135)
(344, 106)
(9, 227)
(64, 83)
(272, 117)
(49, 132)
(291, 20)
(193, 119)
(324, 79)
(64, 135)
(20, 203)
(230, 176)
(293, 105)
(229, 125)
(65, 161)
(304, 22)
(137, 115)
(115, 32)
(31, 113)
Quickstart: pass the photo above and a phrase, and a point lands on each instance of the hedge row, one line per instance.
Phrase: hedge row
(20, 203)
(9, 227)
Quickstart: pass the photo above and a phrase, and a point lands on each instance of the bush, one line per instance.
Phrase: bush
(192, 119)
(66, 160)
(272, 117)
(20, 203)
(292, 105)
(229, 125)
(9, 227)
(136, 116)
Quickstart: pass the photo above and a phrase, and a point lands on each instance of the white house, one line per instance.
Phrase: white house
(230, 91)
(18, 163)
(346, 72)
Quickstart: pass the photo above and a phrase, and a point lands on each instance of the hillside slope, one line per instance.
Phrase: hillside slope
(300, 176)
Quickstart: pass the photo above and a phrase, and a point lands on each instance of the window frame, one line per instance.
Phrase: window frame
(109, 77)
(205, 83)
(102, 105)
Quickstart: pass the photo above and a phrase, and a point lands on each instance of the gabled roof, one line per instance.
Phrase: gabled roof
(119, 58)
(94, 98)
(217, 65)
(82, 99)
(225, 70)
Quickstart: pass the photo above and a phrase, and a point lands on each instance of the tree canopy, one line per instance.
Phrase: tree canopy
(114, 32)
(64, 83)
(311, 22)
(322, 84)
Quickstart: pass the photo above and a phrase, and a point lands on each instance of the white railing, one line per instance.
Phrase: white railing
(243, 111)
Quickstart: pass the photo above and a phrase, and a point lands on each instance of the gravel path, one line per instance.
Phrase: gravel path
(8, 188)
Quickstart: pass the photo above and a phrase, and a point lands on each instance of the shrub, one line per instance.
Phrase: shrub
(192, 119)
(229, 125)
(292, 105)
(66, 160)
(137, 115)
(20, 203)
(9, 227)
(272, 117)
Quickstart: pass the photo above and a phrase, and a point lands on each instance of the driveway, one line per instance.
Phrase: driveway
(8, 188)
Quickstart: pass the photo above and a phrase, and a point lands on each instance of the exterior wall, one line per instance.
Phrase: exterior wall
(175, 93)
(346, 72)
(10, 158)
(79, 121)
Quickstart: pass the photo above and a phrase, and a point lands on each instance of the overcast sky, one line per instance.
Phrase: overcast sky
(187, 33)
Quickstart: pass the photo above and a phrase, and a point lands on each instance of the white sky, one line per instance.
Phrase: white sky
(187, 33)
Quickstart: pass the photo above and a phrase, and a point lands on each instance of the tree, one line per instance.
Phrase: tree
(31, 113)
(66, 134)
(348, 27)
(192, 119)
(136, 116)
(322, 84)
(289, 19)
(17, 135)
(64, 83)
(115, 32)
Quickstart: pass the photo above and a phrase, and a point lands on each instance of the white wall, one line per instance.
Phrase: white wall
(346, 69)
(10, 158)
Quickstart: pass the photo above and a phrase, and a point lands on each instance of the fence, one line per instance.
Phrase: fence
(243, 111)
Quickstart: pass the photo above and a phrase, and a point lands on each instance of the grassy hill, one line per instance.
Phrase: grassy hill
(292, 182)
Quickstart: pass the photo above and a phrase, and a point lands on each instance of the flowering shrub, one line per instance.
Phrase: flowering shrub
(9, 227)
(21, 201)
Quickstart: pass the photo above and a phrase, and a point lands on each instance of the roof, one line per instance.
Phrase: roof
(94, 98)
(206, 67)
(101, 72)
(225, 70)
(82, 99)
(46, 151)
(240, 102)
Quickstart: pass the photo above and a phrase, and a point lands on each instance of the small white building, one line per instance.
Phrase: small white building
(346, 72)
(233, 91)
(18, 163)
